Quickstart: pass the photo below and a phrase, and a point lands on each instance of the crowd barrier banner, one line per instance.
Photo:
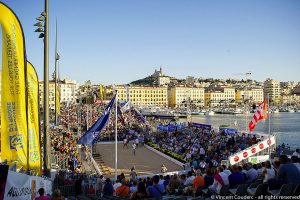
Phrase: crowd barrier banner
(13, 106)
(23, 187)
(242, 155)
(203, 126)
(33, 120)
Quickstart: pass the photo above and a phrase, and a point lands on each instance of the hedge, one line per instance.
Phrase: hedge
(167, 152)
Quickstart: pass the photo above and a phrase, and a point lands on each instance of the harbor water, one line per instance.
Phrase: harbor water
(286, 126)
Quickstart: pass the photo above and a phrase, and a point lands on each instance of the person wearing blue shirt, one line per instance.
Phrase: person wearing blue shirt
(108, 189)
(156, 190)
(235, 178)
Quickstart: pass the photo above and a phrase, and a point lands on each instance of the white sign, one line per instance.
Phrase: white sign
(245, 154)
(23, 187)
(258, 159)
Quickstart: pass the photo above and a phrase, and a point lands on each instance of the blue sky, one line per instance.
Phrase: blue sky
(119, 41)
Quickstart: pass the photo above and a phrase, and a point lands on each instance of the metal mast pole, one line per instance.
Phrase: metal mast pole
(47, 145)
(269, 131)
(116, 138)
(56, 76)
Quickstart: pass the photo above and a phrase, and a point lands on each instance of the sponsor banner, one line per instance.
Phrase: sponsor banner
(13, 105)
(258, 159)
(33, 120)
(245, 154)
(101, 92)
(203, 126)
(23, 187)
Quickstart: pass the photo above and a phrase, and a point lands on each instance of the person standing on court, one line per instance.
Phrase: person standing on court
(134, 148)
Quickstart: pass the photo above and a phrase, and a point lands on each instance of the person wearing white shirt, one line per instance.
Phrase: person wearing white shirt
(296, 153)
(251, 175)
(190, 179)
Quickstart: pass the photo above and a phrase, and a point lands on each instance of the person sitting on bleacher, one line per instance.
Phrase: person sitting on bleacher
(156, 190)
(220, 180)
(235, 178)
(288, 172)
(251, 173)
(123, 190)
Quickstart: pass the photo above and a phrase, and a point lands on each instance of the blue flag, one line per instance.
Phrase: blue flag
(140, 116)
(92, 135)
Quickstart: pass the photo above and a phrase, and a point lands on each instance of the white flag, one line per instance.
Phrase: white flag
(126, 107)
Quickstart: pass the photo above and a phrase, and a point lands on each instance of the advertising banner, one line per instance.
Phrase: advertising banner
(203, 126)
(245, 154)
(13, 105)
(24, 187)
(33, 120)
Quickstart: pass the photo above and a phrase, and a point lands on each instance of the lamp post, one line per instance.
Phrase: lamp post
(45, 34)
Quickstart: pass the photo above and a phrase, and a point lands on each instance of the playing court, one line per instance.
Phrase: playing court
(145, 161)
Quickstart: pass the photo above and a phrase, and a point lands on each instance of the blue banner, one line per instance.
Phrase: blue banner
(203, 126)
(170, 127)
(92, 135)
(228, 130)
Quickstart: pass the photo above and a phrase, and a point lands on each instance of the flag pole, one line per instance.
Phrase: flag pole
(116, 138)
(269, 131)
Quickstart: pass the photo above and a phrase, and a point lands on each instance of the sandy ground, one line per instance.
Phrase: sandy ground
(145, 161)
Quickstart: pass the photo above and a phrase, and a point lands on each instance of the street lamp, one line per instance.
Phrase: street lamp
(44, 33)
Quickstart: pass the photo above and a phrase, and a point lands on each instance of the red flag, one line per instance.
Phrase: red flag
(261, 113)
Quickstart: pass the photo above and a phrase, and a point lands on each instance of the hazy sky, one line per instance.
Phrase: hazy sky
(118, 41)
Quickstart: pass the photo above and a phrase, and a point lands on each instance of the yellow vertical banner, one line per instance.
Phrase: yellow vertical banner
(101, 92)
(33, 120)
(13, 111)
(57, 100)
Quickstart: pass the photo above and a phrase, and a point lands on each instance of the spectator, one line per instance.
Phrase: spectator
(123, 190)
(108, 189)
(133, 188)
(57, 195)
(251, 173)
(208, 178)
(220, 180)
(296, 153)
(268, 173)
(140, 193)
(288, 172)
(190, 179)
(156, 190)
(198, 180)
(235, 178)
(42, 195)
(173, 185)
(118, 182)
(295, 161)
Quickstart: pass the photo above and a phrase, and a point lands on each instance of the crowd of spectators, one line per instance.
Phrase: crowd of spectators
(196, 182)
(201, 146)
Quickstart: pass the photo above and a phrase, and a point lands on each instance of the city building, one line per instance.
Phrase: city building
(190, 80)
(251, 95)
(219, 96)
(68, 92)
(272, 87)
(140, 95)
(179, 96)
